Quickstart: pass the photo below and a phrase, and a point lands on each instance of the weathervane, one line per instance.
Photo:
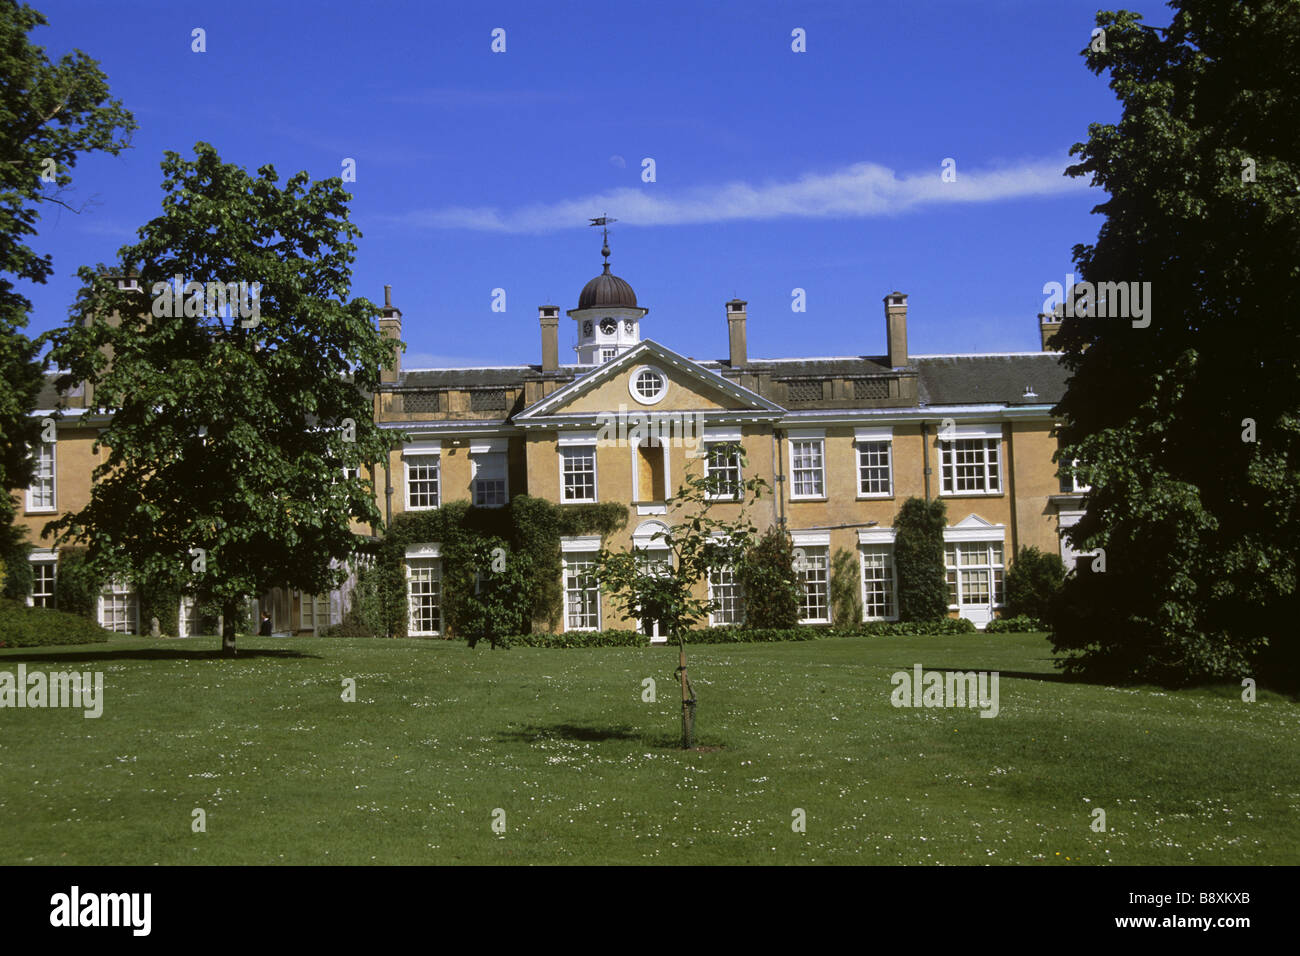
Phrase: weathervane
(603, 222)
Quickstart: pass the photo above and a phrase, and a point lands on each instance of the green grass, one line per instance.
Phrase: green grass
(585, 771)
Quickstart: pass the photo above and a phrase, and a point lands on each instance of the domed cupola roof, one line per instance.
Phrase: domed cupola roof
(607, 290)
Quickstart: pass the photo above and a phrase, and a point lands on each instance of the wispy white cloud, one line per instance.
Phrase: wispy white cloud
(861, 190)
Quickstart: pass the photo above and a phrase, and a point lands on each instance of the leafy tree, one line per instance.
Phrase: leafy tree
(1033, 580)
(696, 543)
(918, 558)
(769, 582)
(1188, 420)
(50, 114)
(230, 431)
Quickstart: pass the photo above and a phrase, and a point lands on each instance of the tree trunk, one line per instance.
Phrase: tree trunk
(228, 615)
(688, 698)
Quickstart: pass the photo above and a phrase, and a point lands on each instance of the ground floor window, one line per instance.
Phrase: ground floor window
(43, 583)
(724, 595)
(878, 584)
(424, 596)
(814, 576)
(118, 609)
(581, 594)
(186, 620)
(974, 570)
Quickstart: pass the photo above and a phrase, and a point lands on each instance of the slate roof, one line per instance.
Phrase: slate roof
(985, 379)
(510, 375)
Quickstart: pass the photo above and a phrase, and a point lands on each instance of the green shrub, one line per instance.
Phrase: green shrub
(918, 559)
(1033, 581)
(769, 582)
(943, 626)
(76, 585)
(846, 587)
(16, 577)
(709, 635)
(23, 626)
(1021, 624)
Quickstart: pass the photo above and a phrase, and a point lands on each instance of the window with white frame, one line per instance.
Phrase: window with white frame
(40, 493)
(607, 354)
(875, 469)
(648, 385)
(424, 596)
(974, 571)
(43, 576)
(421, 481)
(724, 598)
(723, 465)
(581, 593)
(971, 466)
(814, 579)
(578, 473)
(807, 468)
(118, 608)
(489, 470)
(878, 583)
(186, 619)
(1076, 484)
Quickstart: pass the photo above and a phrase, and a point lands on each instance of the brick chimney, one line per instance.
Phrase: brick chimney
(736, 315)
(390, 327)
(1048, 325)
(549, 317)
(896, 329)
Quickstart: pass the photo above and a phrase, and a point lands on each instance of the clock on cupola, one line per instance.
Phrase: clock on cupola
(608, 318)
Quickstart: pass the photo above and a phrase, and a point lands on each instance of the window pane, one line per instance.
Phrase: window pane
(489, 479)
(873, 468)
(579, 473)
(422, 481)
(424, 595)
(815, 602)
(878, 582)
(806, 468)
(581, 595)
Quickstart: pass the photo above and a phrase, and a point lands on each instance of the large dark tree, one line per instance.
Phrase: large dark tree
(1189, 427)
(230, 432)
(50, 114)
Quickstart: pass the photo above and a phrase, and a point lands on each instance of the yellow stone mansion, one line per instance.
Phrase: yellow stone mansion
(841, 441)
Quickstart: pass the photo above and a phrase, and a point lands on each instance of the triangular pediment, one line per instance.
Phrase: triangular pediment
(689, 388)
(975, 521)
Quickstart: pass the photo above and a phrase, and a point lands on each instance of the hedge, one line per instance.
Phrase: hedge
(1022, 624)
(628, 638)
(943, 626)
(23, 626)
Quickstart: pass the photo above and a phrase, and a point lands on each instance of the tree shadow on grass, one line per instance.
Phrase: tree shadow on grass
(1055, 677)
(536, 733)
(84, 653)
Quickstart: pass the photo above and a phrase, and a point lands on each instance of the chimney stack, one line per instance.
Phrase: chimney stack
(390, 327)
(896, 329)
(1048, 325)
(736, 315)
(549, 317)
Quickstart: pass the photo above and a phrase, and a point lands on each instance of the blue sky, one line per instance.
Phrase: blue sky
(774, 170)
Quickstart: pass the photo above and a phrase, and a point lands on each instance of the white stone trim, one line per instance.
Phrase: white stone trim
(431, 549)
(580, 543)
(810, 539)
(876, 535)
(583, 437)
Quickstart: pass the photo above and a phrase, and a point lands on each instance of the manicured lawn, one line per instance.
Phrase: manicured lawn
(441, 736)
